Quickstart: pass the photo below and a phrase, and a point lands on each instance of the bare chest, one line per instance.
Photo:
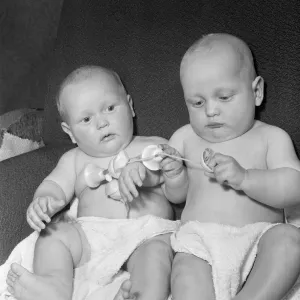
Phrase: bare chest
(249, 152)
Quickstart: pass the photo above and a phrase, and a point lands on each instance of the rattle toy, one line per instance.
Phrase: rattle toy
(151, 157)
(206, 159)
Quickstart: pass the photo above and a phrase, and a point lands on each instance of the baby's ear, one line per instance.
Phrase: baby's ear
(65, 127)
(129, 99)
(258, 90)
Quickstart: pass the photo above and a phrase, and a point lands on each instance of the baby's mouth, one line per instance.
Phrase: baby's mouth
(214, 125)
(107, 137)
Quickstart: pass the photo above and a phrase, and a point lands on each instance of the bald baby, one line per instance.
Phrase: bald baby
(221, 43)
(254, 168)
(82, 74)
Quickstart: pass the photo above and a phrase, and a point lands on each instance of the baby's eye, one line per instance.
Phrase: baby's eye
(86, 120)
(198, 103)
(225, 98)
(110, 108)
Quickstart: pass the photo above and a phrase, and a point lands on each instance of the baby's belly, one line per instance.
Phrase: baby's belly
(226, 206)
(154, 203)
(96, 203)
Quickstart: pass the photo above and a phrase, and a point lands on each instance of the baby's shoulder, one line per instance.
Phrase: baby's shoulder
(65, 167)
(183, 132)
(69, 156)
(75, 157)
(268, 131)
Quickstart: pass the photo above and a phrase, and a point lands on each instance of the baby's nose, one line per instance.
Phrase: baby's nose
(211, 108)
(101, 123)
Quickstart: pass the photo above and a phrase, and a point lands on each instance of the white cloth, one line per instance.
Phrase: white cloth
(230, 251)
(21, 254)
(111, 241)
(13, 145)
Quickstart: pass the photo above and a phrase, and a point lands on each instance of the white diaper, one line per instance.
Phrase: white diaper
(112, 241)
(229, 250)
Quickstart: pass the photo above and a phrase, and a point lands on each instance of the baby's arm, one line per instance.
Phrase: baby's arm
(176, 184)
(279, 185)
(135, 174)
(54, 193)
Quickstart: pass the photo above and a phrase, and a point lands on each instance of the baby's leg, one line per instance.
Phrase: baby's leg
(277, 265)
(56, 251)
(150, 269)
(191, 278)
(124, 292)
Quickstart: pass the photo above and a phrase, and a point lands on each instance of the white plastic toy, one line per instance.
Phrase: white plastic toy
(206, 158)
(151, 157)
(94, 175)
(112, 190)
(116, 165)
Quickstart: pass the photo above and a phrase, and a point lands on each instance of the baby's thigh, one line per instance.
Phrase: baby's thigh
(283, 239)
(156, 251)
(57, 249)
(191, 276)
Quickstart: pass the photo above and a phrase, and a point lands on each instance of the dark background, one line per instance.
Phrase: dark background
(41, 41)
(27, 37)
(145, 40)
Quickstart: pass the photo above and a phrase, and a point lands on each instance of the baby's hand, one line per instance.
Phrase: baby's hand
(41, 209)
(170, 166)
(132, 175)
(226, 170)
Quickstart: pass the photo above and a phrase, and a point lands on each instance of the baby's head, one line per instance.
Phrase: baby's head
(220, 87)
(96, 111)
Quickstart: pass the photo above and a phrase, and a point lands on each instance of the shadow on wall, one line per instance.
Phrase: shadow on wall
(27, 34)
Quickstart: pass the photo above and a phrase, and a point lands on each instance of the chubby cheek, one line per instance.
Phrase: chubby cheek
(86, 134)
(124, 124)
(197, 120)
(244, 115)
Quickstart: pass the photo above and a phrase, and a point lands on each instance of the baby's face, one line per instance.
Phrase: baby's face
(99, 116)
(220, 99)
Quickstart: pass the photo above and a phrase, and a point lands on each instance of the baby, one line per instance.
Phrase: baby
(232, 243)
(97, 114)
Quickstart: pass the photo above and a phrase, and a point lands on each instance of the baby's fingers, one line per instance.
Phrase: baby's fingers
(168, 150)
(41, 211)
(33, 226)
(133, 180)
(34, 221)
(137, 176)
(131, 185)
(209, 174)
(169, 163)
(125, 189)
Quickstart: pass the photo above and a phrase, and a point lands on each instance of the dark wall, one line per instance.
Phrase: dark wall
(27, 36)
(145, 40)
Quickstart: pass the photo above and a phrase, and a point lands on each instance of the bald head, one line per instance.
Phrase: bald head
(221, 43)
(84, 73)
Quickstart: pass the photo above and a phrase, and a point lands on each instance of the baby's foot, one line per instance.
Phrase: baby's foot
(24, 285)
(124, 292)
